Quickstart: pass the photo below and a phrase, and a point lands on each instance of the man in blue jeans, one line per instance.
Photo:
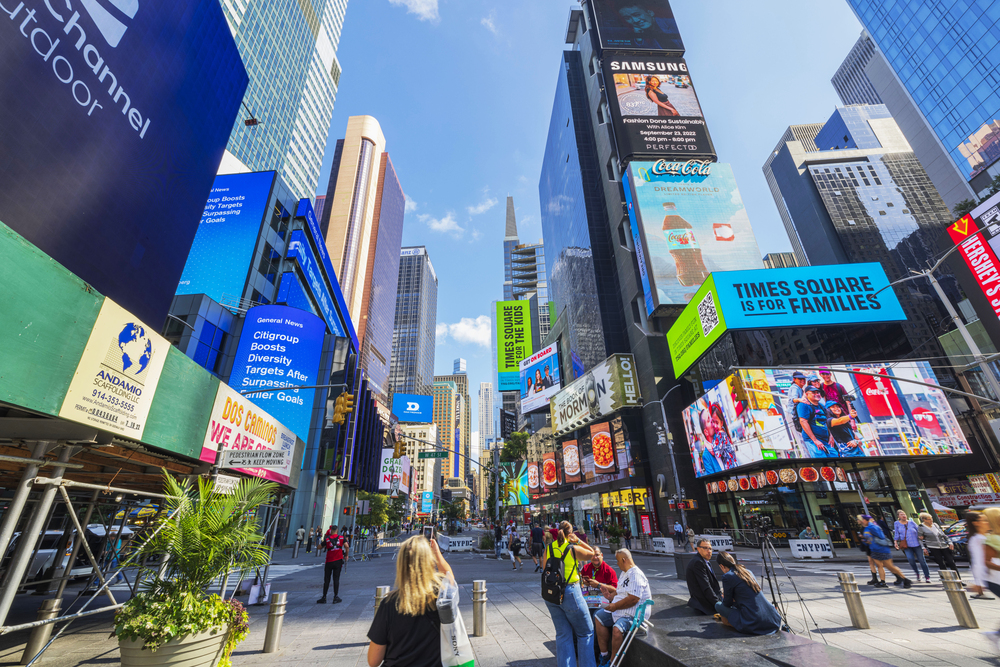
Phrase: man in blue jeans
(904, 532)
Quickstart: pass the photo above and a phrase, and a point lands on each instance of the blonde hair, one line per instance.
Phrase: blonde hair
(565, 530)
(992, 515)
(417, 579)
(925, 515)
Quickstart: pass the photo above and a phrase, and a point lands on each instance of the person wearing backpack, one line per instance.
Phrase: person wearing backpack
(881, 552)
(564, 598)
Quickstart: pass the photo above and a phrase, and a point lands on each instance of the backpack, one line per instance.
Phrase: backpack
(553, 581)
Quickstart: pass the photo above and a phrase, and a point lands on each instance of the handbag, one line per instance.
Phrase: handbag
(553, 580)
(456, 649)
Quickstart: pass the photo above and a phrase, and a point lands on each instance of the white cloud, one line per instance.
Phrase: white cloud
(476, 235)
(426, 10)
(447, 224)
(483, 206)
(489, 22)
(410, 204)
(467, 330)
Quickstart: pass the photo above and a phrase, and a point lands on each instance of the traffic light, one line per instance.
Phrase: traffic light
(348, 402)
(397, 453)
(338, 410)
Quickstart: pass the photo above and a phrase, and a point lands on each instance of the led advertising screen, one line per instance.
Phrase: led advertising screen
(426, 502)
(540, 379)
(114, 126)
(301, 251)
(859, 411)
(513, 331)
(654, 109)
(572, 470)
(688, 220)
(227, 235)
(979, 269)
(776, 298)
(515, 477)
(637, 25)
(413, 408)
(280, 347)
(606, 388)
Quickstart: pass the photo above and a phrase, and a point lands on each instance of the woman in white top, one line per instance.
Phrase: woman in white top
(978, 527)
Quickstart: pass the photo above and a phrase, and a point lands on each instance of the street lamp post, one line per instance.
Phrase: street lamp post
(673, 461)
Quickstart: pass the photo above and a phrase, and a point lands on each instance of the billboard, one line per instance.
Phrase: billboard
(858, 411)
(571, 465)
(654, 109)
(516, 479)
(280, 347)
(114, 127)
(606, 388)
(540, 379)
(394, 474)
(426, 502)
(237, 423)
(301, 251)
(223, 248)
(775, 298)
(977, 236)
(637, 25)
(688, 220)
(413, 408)
(550, 471)
(513, 330)
(116, 378)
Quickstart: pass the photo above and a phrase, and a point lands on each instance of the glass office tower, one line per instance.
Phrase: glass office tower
(411, 370)
(945, 55)
(289, 49)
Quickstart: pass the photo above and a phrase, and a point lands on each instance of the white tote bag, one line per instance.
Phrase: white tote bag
(456, 649)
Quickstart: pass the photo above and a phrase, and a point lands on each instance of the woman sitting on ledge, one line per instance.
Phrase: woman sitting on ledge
(743, 606)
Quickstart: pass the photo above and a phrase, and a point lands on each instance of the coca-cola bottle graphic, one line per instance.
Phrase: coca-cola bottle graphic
(683, 247)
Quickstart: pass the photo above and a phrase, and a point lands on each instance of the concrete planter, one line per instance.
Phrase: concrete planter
(203, 649)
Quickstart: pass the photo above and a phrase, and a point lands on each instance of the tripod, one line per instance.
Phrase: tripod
(768, 556)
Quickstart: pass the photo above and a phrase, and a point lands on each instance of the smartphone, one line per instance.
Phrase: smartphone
(429, 532)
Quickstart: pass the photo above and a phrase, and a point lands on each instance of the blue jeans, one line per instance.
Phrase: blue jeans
(572, 619)
(816, 450)
(915, 555)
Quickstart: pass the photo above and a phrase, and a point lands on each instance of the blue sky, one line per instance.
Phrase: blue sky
(463, 90)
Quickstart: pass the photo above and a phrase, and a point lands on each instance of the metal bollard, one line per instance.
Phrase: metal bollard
(479, 608)
(959, 600)
(275, 617)
(40, 635)
(380, 594)
(852, 596)
(295, 549)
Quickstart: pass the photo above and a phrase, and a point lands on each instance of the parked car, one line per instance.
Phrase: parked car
(958, 533)
(45, 556)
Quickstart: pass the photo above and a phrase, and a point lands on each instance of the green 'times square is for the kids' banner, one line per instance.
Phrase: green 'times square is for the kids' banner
(804, 296)
(513, 342)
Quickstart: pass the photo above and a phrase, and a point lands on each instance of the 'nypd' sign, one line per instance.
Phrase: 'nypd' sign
(811, 549)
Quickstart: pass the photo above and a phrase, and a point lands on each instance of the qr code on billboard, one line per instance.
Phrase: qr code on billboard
(708, 315)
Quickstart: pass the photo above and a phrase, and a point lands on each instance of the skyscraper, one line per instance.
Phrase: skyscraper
(411, 368)
(855, 192)
(486, 405)
(459, 366)
(509, 243)
(366, 205)
(463, 423)
(851, 82)
(939, 64)
(446, 403)
(290, 53)
(524, 272)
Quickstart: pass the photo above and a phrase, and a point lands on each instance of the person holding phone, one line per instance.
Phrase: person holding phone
(571, 618)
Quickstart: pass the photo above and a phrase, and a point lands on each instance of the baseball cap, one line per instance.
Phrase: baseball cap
(813, 378)
(810, 388)
(799, 375)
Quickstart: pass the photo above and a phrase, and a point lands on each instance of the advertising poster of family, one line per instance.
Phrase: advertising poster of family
(757, 415)
(540, 379)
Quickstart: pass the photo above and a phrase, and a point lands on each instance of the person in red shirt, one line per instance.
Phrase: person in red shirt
(598, 572)
(337, 549)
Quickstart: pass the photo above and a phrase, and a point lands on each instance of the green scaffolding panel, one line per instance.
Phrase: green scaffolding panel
(181, 408)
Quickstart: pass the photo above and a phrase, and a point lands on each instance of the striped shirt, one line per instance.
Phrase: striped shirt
(631, 582)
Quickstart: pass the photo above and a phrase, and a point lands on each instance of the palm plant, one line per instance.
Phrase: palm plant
(205, 535)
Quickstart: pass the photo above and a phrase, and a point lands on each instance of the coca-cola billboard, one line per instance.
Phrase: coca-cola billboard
(688, 220)
(879, 395)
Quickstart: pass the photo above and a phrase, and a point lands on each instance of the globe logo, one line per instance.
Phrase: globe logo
(136, 348)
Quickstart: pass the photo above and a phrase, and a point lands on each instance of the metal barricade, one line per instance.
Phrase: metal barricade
(959, 600)
(852, 596)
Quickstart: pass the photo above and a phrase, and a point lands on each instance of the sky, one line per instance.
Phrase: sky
(463, 90)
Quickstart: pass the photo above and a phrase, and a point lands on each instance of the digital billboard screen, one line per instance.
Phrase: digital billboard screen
(540, 379)
(688, 220)
(603, 390)
(280, 347)
(114, 127)
(637, 25)
(223, 248)
(413, 408)
(513, 332)
(802, 296)
(855, 411)
(977, 236)
(654, 109)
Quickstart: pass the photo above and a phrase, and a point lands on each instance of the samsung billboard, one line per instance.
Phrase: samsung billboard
(687, 220)
(115, 120)
(280, 347)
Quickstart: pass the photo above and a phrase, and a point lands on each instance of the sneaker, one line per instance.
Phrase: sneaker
(336, 600)
(605, 660)
(907, 583)
(881, 584)
(927, 580)
(322, 600)
(538, 568)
